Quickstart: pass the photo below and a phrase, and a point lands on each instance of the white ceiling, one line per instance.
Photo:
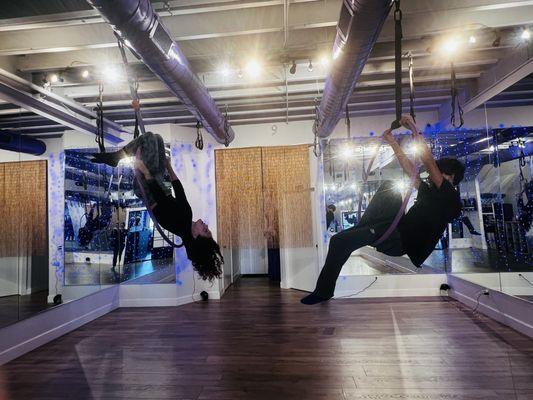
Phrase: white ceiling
(211, 33)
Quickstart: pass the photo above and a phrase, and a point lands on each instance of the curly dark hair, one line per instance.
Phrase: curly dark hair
(206, 257)
(452, 166)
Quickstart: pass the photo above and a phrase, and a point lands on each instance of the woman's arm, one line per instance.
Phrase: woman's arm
(406, 164)
(425, 152)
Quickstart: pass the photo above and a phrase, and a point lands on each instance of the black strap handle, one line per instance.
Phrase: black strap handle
(199, 143)
(398, 35)
(455, 102)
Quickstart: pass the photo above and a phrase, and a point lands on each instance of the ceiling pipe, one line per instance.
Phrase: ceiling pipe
(137, 23)
(21, 144)
(359, 25)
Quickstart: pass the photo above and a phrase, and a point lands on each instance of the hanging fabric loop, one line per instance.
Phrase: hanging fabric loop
(100, 119)
(199, 143)
(398, 35)
(455, 102)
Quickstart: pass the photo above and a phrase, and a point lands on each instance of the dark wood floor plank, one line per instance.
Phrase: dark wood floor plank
(259, 342)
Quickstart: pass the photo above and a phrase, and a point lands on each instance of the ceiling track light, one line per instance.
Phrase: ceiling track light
(292, 70)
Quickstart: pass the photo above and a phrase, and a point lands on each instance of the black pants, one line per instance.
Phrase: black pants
(374, 222)
(465, 220)
(117, 254)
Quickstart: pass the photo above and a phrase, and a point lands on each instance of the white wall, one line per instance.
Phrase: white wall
(196, 170)
(508, 116)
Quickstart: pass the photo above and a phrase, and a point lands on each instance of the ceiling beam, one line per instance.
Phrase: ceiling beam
(517, 65)
(53, 107)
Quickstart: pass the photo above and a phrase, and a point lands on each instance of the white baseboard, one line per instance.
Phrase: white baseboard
(28, 334)
(407, 285)
(509, 310)
(159, 295)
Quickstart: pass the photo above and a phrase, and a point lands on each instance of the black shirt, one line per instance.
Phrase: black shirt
(173, 213)
(424, 223)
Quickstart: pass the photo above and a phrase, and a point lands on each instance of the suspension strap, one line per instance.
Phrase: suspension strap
(397, 63)
(411, 87)
(521, 163)
(226, 127)
(348, 123)
(455, 101)
(199, 143)
(134, 86)
(316, 142)
(100, 119)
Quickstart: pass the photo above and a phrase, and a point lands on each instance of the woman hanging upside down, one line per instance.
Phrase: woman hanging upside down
(172, 213)
(437, 204)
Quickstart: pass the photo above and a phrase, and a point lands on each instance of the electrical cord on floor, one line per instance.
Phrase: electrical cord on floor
(524, 278)
(481, 292)
(359, 292)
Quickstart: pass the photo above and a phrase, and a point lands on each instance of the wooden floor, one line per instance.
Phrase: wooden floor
(260, 343)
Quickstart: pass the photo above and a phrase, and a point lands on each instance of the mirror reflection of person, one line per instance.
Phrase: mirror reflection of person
(437, 204)
(466, 221)
(330, 214)
(118, 242)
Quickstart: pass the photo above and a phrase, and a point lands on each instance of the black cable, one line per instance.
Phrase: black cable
(360, 291)
(524, 278)
(477, 300)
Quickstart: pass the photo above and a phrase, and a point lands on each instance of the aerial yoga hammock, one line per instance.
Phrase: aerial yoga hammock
(171, 212)
(385, 225)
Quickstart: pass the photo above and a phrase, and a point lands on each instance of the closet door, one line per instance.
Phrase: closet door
(240, 211)
(286, 177)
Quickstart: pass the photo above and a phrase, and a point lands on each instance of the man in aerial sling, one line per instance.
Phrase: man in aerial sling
(418, 231)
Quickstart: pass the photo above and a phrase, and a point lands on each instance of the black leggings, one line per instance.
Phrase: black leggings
(375, 221)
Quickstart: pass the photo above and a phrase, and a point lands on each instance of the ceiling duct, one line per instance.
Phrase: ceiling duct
(136, 22)
(21, 144)
(359, 25)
